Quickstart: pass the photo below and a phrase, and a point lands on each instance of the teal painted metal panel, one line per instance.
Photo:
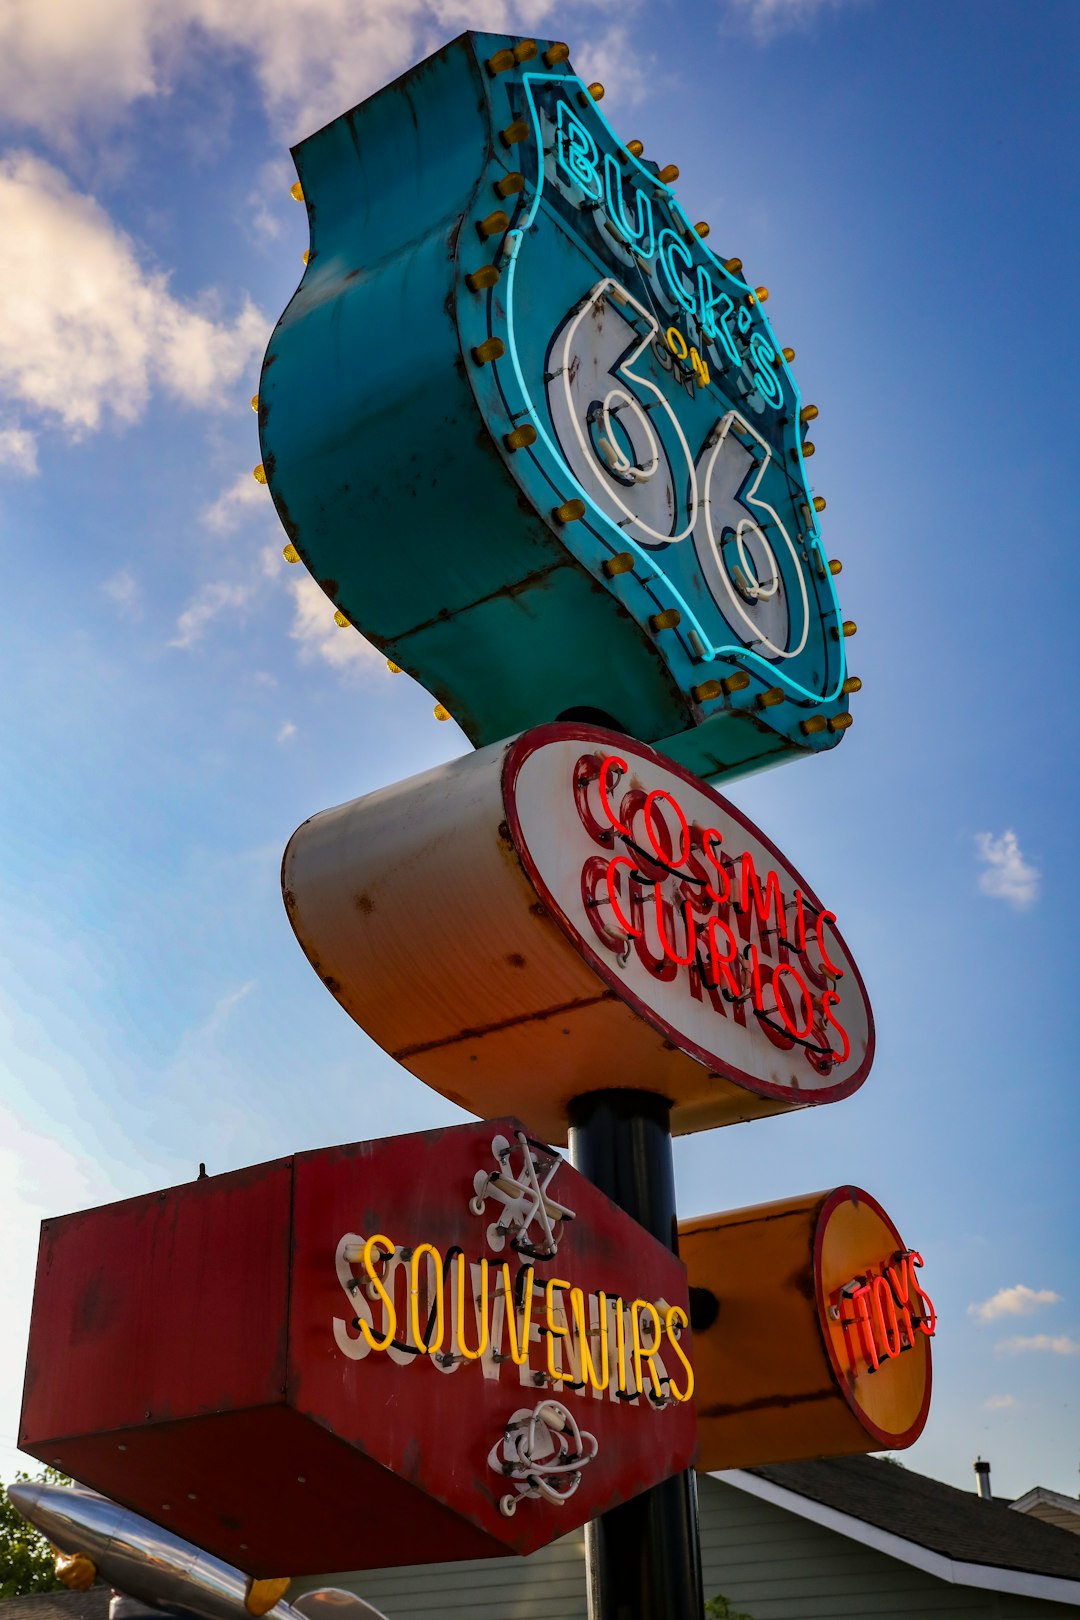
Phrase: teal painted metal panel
(533, 439)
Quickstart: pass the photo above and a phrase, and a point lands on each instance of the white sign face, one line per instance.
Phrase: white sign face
(689, 913)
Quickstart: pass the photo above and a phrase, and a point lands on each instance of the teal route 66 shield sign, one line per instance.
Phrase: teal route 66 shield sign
(534, 439)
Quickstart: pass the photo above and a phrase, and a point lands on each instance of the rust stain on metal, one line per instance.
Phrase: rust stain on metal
(478, 1033)
(539, 579)
(515, 959)
(364, 903)
(766, 1403)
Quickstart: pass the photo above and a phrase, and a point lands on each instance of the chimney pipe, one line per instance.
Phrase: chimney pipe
(982, 1476)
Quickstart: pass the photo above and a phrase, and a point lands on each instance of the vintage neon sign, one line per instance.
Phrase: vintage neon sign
(581, 901)
(633, 531)
(540, 1372)
(829, 1352)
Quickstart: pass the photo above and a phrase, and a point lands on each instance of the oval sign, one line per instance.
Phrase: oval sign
(689, 913)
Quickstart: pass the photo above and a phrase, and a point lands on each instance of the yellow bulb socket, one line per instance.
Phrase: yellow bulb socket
(492, 348)
(486, 276)
(494, 225)
(621, 563)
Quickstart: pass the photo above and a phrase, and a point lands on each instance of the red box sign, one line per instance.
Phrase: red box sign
(447, 1345)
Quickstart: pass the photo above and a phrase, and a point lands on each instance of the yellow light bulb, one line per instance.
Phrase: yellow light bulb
(569, 511)
(509, 185)
(668, 619)
(621, 563)
(816, 723)
(296, 191)
(852, 684)
(702, 229)
(559, 52)
(492, 348)
(307, 255)
(809, 413)
(290, 553)
(441, 712)
(635, 148)
(668, 174)
(840, 722)
(733, 266)
(259, 473)
(254, 402)
(395, 669)
(819, 503)
(340, 620)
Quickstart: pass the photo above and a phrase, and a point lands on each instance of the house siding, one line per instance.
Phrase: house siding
(770, 1563)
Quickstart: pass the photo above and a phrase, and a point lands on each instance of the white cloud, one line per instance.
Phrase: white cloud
(210, 600)
(999, 1403)
(64, 63)
(228, 510)
(1059, 1344)
(766, 19)
(1017, 1301)
(1006, 875)
(86, 330)
(320, 636)
(18, 450)
(287, 732)
(123, 591)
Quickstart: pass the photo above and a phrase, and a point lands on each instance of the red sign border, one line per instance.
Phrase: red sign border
(891, 1442)
(530, 742)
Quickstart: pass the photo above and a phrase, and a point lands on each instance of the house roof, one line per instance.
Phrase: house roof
(1052, 1508)
(956, 1524)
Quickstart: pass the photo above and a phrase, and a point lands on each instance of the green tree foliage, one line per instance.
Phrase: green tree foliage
(719, 1608)
(26, 1559)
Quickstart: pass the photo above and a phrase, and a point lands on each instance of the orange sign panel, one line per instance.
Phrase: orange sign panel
(812, 1330)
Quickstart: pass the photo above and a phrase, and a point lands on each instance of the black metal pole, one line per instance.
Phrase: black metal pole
(643, 1559)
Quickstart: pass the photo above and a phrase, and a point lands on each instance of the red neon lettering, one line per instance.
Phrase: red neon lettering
(721, 965)
(709, 841)
(781, 1000)
(829, 1000)
(762, 904)
(866, 1330)
(586, 772)
(832, 967)
(885, 1311)
(593, 875)
(620, 916)
(928, 1317)
(663, 910)
(664, 849)
(899, 1282)
(608, 765)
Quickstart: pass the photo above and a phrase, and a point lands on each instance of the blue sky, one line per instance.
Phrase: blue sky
(176, 700)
